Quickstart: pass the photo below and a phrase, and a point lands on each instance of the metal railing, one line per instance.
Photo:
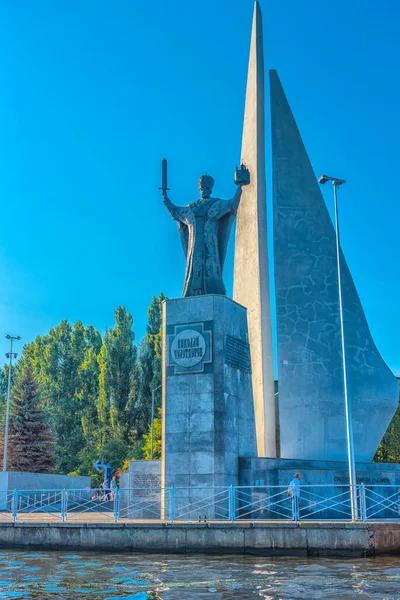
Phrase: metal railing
(201, 504)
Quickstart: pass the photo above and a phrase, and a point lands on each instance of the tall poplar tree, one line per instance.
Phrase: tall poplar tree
(149, 365)
(117, 363)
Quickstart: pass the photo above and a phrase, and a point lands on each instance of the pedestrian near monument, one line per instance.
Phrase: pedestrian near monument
(113, 487)
(294, 493)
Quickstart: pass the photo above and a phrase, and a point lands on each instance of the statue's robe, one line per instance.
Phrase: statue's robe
(204, 227)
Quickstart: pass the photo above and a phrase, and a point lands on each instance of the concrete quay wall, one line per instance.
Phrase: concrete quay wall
(307, 539)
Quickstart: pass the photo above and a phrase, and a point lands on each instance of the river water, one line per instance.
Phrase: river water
(63, 575)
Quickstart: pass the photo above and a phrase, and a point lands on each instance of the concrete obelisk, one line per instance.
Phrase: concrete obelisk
(251, 274)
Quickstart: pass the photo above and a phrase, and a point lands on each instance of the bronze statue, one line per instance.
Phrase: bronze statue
(204, 227)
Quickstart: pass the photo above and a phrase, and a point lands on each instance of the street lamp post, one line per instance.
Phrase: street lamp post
(9, 355)
(152, 420)
(347, 400)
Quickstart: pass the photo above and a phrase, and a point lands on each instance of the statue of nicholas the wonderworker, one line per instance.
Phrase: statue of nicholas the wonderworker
(204, 227)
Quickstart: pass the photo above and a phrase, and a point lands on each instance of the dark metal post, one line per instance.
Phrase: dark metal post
(9, 355)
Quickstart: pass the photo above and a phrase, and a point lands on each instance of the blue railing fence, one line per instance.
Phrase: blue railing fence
(234, 503)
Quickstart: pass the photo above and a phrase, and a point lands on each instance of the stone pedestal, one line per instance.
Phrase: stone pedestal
(208, 413)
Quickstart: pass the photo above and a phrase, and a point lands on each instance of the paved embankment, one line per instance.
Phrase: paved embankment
(312, 539)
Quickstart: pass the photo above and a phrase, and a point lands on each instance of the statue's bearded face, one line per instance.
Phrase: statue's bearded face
(205, 183)
(205, 191)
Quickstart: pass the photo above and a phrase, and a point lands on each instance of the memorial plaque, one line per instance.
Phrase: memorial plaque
(146, 485)
(188, 348)
(237, 354)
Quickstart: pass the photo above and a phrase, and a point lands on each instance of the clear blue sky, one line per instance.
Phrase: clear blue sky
(95, 93)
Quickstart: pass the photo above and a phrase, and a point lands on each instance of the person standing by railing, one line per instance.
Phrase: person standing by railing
(294, 493)
(113, 487)
(105, 487)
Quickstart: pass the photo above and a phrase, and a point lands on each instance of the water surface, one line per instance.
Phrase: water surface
(63, 575)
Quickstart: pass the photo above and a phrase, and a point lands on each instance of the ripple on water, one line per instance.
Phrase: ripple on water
(82, 563)
(122, 577)
(129, 581)
(139, 596)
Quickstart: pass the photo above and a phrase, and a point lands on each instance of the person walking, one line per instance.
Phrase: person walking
(113, 487)
(294, 493)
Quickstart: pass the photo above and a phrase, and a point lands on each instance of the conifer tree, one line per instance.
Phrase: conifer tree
(31, 442)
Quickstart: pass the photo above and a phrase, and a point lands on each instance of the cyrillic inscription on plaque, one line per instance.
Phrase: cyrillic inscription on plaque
(237, 354)
(188, 348)
(146, 485)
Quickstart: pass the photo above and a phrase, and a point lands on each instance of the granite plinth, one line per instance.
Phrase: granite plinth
(208, 413)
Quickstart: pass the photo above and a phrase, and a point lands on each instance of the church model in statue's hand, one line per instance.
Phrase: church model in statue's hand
(204, 227)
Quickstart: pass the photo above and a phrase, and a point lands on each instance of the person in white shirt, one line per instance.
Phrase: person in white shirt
(294, 493)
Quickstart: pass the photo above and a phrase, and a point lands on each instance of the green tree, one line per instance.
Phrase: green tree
(149, 366)
(157, 439)
(389, 448)
(117, 364)
(96, 390)
(56, 361)
(31, 442)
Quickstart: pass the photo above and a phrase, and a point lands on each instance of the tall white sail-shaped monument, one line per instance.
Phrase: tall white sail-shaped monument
(251, 272)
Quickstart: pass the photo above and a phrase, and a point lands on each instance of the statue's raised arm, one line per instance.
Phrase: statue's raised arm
(176, 212)
(171, 208)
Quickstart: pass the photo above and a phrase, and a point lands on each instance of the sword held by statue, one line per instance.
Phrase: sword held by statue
(164, 177)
